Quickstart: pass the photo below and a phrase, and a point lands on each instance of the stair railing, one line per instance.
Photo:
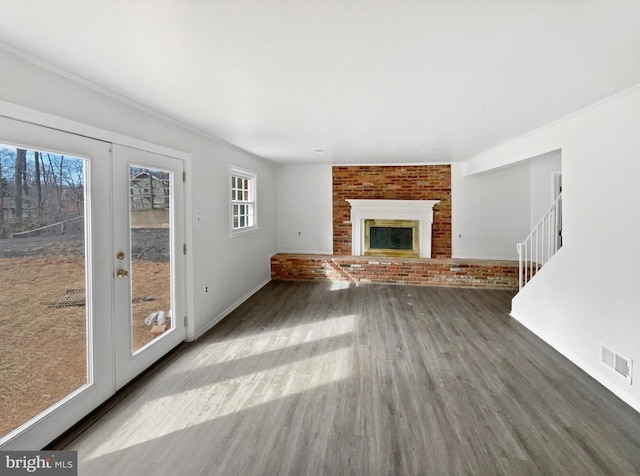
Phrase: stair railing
(541, 244)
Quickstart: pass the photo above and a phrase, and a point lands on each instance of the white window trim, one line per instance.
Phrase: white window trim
(253, 177)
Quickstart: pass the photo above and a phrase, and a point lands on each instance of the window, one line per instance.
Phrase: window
(243, 192)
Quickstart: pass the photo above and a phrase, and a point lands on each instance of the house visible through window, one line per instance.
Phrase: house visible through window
(243, 185)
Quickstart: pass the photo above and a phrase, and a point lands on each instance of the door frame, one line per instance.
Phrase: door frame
(556, 184)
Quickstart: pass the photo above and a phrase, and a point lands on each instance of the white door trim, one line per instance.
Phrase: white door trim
(24, 114)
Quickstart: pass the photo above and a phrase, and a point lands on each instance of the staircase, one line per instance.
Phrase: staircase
(541, 244)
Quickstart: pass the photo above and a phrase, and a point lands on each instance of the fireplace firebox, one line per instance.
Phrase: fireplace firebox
(391, 238)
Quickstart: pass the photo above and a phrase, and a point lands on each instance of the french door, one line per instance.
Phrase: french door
(91, 274)
(148, 258)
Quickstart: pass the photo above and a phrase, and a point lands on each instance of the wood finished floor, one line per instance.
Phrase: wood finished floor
(369, 380)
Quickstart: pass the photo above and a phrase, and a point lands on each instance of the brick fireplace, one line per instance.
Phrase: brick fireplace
(420, 182)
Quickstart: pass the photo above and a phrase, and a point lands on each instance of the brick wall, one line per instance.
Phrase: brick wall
(414, 271)
(422, 182)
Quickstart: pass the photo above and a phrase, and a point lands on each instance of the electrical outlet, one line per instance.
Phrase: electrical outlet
(206, 289)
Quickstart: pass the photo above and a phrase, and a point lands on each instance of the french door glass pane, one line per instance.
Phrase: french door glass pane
(43, 309)
(151, 287)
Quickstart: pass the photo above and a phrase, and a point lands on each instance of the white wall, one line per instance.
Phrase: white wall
(496, 208)
(305, 209)
(542, 168)
(491, 211)
(588, 293)
(231, 267)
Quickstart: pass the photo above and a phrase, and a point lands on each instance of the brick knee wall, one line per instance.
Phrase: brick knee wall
(414, 271)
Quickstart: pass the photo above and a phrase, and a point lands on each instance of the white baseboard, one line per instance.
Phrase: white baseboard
(228, 310)
(625, 396)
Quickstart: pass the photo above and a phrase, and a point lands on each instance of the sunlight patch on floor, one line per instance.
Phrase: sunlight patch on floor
(338, 285)
(275, 340)
(203, 405)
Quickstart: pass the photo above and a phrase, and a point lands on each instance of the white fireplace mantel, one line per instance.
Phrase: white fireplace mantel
(419, 210)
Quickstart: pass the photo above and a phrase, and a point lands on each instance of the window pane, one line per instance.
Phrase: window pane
(43, 308)
(150, 255)
(241, 198)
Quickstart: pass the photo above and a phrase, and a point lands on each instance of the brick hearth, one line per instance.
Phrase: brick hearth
(487, 274)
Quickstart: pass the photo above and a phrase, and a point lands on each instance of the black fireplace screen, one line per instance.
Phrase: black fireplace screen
(390, 238)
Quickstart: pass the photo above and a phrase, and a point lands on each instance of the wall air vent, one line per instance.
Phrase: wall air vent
(616, 361)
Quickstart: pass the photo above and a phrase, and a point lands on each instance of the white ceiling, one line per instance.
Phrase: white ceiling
(375, 81)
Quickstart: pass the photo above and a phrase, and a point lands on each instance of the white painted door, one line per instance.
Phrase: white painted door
(148, 258)
(95, 250)
(55, 282)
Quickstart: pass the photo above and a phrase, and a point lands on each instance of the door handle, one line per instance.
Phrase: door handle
(122, 273)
